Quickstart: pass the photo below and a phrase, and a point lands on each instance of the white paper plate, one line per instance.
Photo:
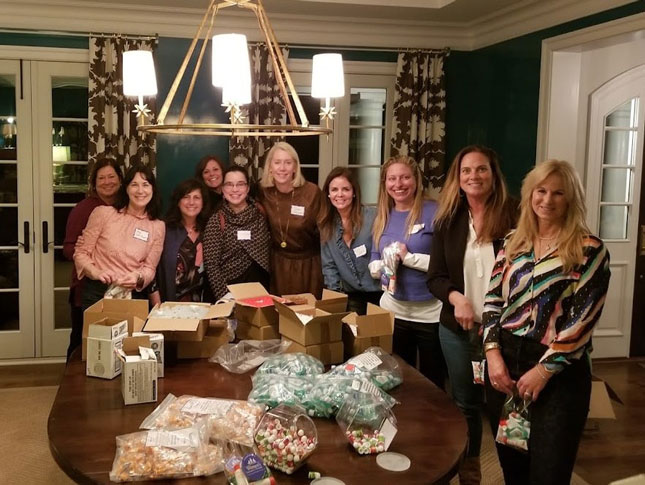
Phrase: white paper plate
(327, 481)
(394, 462)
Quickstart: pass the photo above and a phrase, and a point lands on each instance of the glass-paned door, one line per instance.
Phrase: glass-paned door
(17, 329)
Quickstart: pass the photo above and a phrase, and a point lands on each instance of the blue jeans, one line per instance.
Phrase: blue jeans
(458, 350)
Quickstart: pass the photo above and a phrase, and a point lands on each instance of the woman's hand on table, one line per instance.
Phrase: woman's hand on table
(532, 382)
(498, 374)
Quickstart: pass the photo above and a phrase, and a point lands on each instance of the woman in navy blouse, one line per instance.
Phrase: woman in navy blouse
(346, 241)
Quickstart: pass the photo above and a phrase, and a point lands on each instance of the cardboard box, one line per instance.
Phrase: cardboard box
(376, 322)
(332, 301)
(134, 311)
(246, 331)
(307, 325)
(157, 345)
(216, 336)
(139, 375)
(328, 353)
(253, 304)
(104, 338)
(186, 329)
(600, 406)
(108, 329)
(357, 345)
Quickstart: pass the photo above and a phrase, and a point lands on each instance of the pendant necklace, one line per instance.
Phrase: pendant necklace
(283, 235)
(549, 245)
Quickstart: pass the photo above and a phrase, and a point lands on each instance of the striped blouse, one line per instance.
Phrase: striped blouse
(537, 300)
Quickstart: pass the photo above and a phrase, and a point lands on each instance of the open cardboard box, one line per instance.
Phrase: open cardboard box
(134, 311)
(363, 331)
(139, 375)
(253, 304)
(328, 353)
(216, 336)
(600, 404)
(246, 331)
(104, 337)
(186, 329)
(331, 301)
(307, 325)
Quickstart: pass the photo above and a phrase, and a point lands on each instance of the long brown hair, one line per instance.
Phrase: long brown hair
(328, 212)
(385, 202)
(574, 229)
(498, 219)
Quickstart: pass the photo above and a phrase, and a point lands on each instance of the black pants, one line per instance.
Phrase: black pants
(557, 417)
(411, 338)
(357, 300)
(76, 336)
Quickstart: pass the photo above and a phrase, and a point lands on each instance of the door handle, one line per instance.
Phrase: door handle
(642, 245)
(26, 237)
(45, 238)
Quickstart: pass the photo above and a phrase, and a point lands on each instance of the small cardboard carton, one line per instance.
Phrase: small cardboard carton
(134, 311)
(157, 345)
(332, 301)
(185, 329)
(307, 325)
(104, 338)
(253, 304)
(216, 335)
(246, 331)
(328, 353)
(139, 376)
(600, 404)
(363, 331)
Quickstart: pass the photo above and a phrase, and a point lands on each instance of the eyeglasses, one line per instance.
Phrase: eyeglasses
(239, 185)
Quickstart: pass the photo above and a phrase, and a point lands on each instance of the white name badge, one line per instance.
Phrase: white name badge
(416, 228)
(141, 235)
(360, 251)
(243, 235)
(297, 210)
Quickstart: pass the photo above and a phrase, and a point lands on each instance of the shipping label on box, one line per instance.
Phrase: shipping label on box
(157, 345)
(102, 360)
(246, 331)
(307, 325)
(253, 304)
(328, 353)
(134, 311)
(139, 375)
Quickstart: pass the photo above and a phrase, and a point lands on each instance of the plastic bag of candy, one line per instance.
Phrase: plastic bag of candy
(390, 256)
(375, 364)
(514, 426)
(226, 419)
(164, 454)
(247, 354)
(243, 465)
(285, 438)
(295, 364)
(117, 292)
(368, 424)
(273, 390)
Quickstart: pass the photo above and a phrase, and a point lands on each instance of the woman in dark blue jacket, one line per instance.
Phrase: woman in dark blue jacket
(180, 274)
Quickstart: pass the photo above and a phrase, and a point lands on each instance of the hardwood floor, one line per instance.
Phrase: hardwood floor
(610, 449)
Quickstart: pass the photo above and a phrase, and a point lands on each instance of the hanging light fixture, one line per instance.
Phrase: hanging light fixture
(231, 72)
(327, 81)
(139, 79)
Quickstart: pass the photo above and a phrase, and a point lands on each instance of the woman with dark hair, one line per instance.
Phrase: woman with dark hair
(237, 239)
(474, 215)
(180, 274)
(346, 240)
(104, 183)
(210, 170)
(122, 245)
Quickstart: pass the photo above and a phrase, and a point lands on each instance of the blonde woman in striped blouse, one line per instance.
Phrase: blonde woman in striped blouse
(547, 291)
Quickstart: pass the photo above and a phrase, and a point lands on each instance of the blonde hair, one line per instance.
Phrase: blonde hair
(498, 218)
(574, 229)
(267, 178)
(385, 202)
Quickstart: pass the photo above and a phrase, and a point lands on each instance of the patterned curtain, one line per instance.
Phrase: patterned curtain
(112, 124)
(420, 113)
(266, 108)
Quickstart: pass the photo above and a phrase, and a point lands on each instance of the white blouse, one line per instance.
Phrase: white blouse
(479, 260)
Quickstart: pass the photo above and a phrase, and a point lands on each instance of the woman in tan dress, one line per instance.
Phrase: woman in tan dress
(292, 205)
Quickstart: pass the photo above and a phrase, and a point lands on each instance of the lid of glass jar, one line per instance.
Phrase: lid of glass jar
(394, 462)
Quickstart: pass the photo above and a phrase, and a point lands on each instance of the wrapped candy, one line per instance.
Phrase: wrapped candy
(296, 364)
(117, 292)
(243, 466)
(165, 454)
(514, 426)
(390, 255)
(374, 364)
(226, 419)
(273, 390)
(285, 438)
(179, 311)
(247, 354)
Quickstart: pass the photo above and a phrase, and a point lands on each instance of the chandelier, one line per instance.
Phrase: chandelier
(231, 72)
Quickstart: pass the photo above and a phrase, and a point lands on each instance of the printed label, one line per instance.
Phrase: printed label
(416, 228)
(360, 251)
(388, 429)
(298, 210)
(253, 467)
(367, 361)
(243, 235)
(141, 235)
(200, 405)
(181, 439)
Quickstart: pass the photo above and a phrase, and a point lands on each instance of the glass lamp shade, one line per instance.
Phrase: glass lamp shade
(139, 74)
(232, 68)
(327, 79)
(61, 153)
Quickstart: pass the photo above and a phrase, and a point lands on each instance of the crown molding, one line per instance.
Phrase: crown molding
(55, 15)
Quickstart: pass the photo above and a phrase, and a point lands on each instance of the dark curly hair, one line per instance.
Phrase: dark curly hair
(153, 209)
(173, 216)
(101, 163)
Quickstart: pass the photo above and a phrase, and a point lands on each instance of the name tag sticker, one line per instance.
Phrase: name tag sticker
(141, 235)
(298, 210)
(416, 228)
(360, 251)
(243, 235)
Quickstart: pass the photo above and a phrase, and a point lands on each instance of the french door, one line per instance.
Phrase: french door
(43, 174)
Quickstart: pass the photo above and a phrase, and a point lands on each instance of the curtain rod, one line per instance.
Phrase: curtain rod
(79, 34)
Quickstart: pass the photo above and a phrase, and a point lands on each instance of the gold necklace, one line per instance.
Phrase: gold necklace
(283, 235)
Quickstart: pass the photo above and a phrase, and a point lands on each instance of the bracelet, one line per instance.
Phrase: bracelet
(491, 346)
(545, 377)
